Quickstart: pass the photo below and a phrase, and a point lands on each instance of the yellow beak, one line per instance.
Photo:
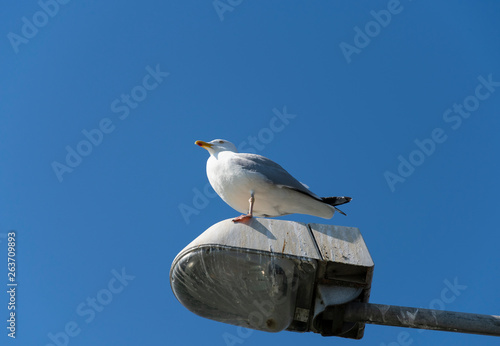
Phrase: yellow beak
(203, 144)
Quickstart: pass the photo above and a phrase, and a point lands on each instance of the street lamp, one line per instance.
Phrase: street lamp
(275, 275)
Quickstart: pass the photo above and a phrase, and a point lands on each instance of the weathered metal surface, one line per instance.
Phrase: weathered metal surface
(279, 236)
(401, 316)
(341, 244)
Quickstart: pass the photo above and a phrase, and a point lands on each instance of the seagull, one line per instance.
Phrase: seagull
(261, 186)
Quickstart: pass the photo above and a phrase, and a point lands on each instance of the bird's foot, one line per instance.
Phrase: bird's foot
(242, 218)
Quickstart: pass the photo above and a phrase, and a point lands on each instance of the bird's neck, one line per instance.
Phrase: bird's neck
(221, 154)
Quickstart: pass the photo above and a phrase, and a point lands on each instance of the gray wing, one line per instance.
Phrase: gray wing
(272, 172)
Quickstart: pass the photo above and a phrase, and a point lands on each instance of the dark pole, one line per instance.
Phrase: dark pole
(401, 316)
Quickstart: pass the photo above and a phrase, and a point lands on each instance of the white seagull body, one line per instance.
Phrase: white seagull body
(261, 186)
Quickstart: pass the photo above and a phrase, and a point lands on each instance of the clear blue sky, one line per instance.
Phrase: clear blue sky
(400, 113)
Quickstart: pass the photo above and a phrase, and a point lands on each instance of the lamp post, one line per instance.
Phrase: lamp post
(275, 275)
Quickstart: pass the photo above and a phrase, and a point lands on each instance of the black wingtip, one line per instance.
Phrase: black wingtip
(333, 201)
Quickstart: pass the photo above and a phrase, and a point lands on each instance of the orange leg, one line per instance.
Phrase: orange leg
(243, 218)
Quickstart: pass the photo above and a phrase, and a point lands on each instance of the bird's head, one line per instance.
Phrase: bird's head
(217, 145)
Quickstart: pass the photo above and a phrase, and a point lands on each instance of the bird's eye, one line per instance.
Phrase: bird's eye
(221, 142)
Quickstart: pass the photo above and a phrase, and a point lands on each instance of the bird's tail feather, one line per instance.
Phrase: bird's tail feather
(334, 201)
(340, 211)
